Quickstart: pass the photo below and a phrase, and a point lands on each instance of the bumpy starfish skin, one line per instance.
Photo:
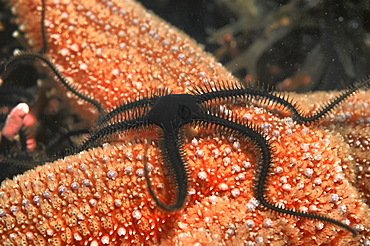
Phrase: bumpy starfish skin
(114, 50)
(351, 124)
(100, 196)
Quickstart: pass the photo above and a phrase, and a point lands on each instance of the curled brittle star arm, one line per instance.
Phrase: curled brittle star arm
(174, 163)
(263, 146)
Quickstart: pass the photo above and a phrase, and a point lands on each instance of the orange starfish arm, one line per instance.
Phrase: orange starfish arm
(116, 52)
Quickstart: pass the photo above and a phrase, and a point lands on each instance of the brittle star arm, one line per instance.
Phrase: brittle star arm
(261, 144)
(122, 126)
(173, 158)
(61, 79)
(236, 91)
(124, 108)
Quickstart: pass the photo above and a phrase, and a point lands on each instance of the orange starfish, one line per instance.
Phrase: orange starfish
(100, 196)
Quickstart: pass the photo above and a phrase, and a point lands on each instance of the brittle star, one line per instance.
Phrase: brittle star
(171, 112)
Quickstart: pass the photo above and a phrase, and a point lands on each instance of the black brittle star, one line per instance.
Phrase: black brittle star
(171, 112)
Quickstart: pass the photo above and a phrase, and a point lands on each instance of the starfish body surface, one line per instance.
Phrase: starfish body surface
(115, 51)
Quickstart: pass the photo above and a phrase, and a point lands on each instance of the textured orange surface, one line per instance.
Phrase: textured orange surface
(99, 197)
(117, 52)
